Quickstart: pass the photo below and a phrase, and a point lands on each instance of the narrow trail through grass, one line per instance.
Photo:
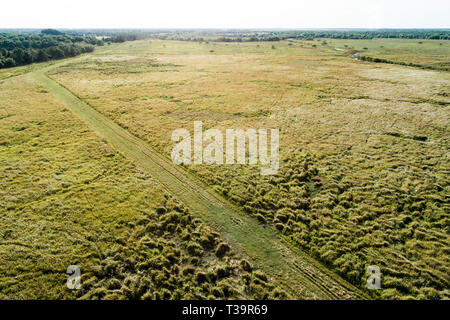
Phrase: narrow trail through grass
(299, 274)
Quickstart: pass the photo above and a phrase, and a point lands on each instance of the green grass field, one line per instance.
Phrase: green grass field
(427, 53)
(363, 180)
(69, 198)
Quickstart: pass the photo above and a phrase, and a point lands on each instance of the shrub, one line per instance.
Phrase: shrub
(222, 249)
(246, 266)
(260, 275)
(222, 272)
(194, 248)
(201, 277)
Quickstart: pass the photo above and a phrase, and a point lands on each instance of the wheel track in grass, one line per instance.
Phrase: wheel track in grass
(295, 271)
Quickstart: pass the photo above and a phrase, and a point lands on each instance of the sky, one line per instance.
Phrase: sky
(225, 14)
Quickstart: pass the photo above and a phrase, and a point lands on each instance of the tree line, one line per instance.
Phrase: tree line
(247, 35)
(18, 49)
(443, 67)
(250, 36)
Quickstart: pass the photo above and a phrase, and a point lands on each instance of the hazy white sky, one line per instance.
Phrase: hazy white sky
(225, 14)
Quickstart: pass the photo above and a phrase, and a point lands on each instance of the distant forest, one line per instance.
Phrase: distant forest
(245, 35)
(18, 49)
(120, 35)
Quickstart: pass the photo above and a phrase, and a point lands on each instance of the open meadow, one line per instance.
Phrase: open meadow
(68, 198)
(363, 179)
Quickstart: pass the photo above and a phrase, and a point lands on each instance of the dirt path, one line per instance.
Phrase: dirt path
(296, 272)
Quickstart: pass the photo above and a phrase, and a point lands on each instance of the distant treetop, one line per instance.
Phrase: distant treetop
(51, 32)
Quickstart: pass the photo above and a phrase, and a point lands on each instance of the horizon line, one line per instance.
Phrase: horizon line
(227, 28)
